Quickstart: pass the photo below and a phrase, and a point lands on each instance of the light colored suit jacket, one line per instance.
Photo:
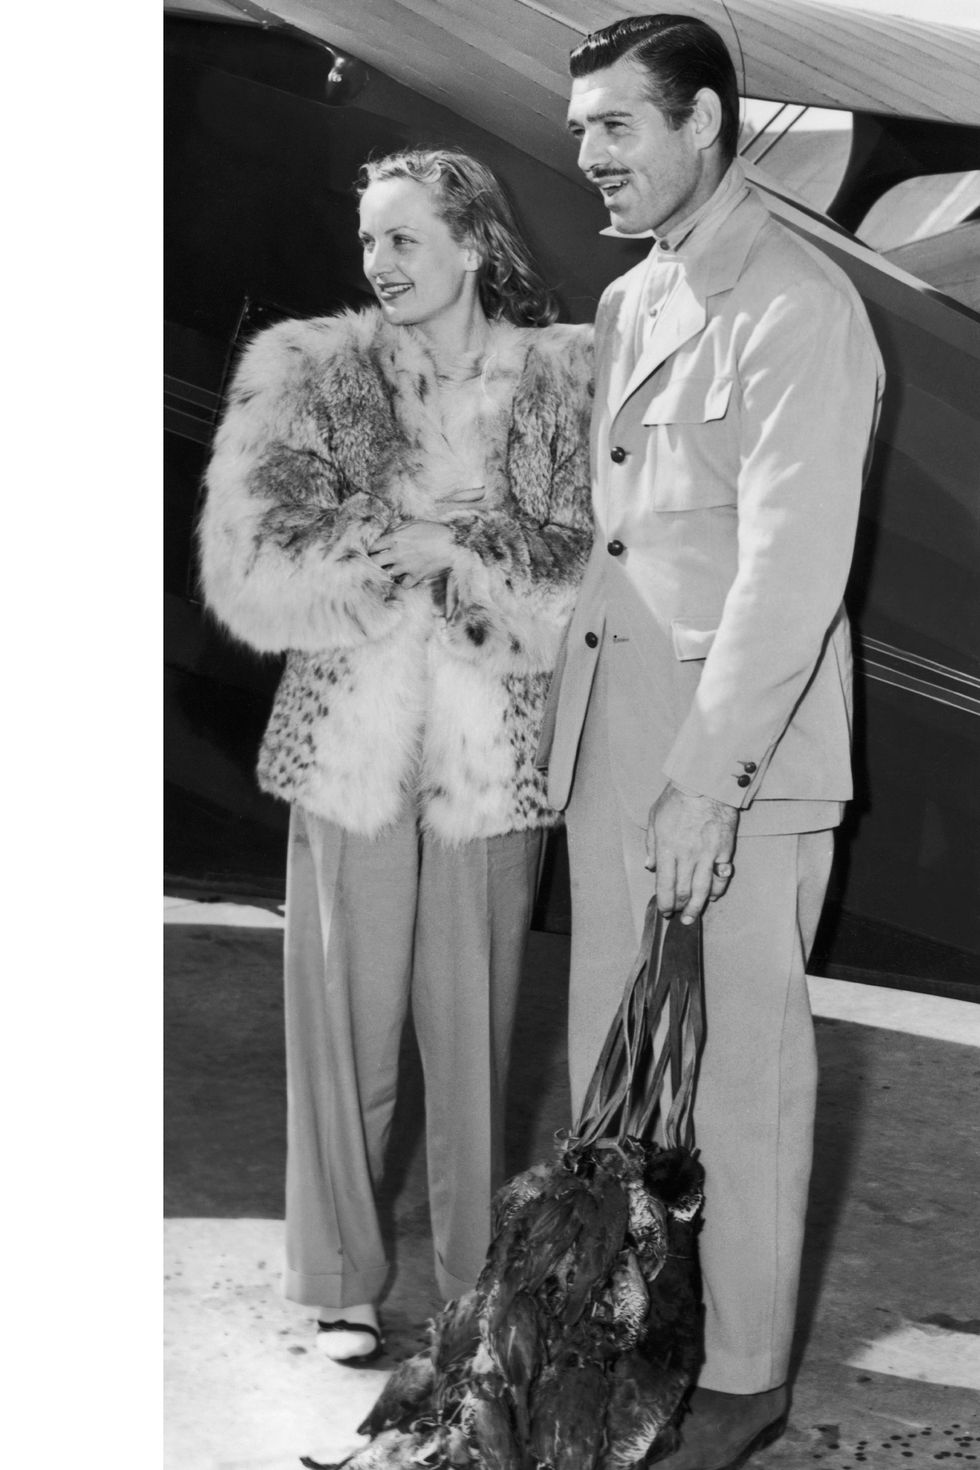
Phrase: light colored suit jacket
(727, 474)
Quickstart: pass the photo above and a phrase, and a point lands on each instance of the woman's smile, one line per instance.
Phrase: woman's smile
(418, 271)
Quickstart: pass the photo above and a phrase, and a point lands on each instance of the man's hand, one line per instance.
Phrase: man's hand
(414, 551)
(690, 844)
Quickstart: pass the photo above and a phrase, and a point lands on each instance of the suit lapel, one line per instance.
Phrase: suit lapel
(683, 317)
(685, 314)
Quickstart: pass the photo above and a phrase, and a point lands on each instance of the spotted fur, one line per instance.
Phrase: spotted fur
(391, 693)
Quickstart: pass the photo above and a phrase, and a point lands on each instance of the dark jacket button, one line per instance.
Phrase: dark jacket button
(592, 640)
(618, 454)
(750, 766)
(743, 780)
(616, 548)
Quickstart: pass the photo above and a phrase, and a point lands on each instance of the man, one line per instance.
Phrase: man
(702, 718)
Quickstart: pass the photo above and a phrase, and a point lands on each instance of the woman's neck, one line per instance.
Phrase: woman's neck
(457, 347)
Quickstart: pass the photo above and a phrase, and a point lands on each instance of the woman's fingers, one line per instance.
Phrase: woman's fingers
(468, 496)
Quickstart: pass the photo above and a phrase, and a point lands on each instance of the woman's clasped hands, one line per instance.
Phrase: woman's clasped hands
(415, 551)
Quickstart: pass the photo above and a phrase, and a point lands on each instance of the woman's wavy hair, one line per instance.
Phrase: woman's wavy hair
(679, 54)
(472, 203)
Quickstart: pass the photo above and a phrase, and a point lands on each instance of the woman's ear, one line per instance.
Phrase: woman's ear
(472, 256)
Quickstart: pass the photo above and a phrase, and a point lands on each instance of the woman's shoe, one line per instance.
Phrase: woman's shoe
(355, 1344)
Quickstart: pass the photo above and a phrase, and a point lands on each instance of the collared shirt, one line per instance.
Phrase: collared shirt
(671, 255)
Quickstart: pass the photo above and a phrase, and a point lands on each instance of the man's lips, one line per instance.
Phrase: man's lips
(609, 184)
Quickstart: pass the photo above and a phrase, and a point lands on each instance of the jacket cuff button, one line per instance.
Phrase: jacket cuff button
(592, 640)
(618, 454)
(743, 780)
(616, 548)
(749, 766)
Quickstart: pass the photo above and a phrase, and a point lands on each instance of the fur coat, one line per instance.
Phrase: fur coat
(432, 694)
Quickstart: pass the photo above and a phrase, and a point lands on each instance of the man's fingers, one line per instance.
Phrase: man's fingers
(721, 876)
(666, 889)
(699, 894)
(690, 841)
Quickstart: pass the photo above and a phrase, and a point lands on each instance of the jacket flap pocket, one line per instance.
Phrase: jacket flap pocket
(689, 401)
(691, 640)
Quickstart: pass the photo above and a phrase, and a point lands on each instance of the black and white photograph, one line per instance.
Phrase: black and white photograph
(570, 1018)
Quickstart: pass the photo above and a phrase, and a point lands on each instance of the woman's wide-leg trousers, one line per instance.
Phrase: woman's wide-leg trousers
(373, 926)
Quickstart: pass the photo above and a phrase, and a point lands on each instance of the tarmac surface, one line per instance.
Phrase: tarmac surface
(887, 1358)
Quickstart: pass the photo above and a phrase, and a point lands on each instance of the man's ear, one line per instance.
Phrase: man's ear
(706, 118)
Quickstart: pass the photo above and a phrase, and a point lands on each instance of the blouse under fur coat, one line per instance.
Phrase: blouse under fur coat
(391, 694)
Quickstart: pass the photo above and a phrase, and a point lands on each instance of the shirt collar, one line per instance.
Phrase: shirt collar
(705, 220)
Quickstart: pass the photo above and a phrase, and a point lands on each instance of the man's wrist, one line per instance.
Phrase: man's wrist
(686, 790)
(700, 796)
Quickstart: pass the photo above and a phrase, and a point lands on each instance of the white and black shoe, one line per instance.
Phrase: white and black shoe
(355, 1344)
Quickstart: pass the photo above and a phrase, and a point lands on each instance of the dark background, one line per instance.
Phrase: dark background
(261, 222)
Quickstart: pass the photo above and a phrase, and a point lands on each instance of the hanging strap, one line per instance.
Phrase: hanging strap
(624, 1095)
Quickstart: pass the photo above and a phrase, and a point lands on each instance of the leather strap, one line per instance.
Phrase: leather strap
(663, 990)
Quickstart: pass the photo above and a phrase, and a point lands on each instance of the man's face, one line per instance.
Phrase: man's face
(652, 176)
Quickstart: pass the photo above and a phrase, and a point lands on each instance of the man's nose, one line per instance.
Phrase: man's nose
(589, 152)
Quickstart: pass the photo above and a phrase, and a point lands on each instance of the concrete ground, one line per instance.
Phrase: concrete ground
(888, 1349)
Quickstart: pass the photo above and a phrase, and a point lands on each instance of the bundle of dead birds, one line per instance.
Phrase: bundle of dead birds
(579, 1342)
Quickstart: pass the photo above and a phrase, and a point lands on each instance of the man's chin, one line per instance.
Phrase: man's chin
(626, 226)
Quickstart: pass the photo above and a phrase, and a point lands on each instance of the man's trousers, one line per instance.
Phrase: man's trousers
(756, 1090)
(371, 927)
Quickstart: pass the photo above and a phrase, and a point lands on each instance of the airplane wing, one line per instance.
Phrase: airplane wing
(502, 63)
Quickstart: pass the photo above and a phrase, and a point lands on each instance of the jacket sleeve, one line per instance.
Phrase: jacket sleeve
(810, 379)
(286, 524)
(518, 569)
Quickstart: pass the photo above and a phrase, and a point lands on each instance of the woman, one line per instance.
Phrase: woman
(399, 499)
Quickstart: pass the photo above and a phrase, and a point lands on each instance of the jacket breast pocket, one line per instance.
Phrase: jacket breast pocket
(689, 401)
(695, 451)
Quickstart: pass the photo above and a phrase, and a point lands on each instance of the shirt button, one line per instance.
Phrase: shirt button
(663, 245)
(618, 454)
(616, 548)
(743, 780)
(592, 640)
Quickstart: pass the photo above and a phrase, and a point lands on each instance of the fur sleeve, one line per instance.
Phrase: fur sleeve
(518, 572)
(291, 503)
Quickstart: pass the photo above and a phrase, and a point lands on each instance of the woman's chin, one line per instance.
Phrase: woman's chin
(394, 312)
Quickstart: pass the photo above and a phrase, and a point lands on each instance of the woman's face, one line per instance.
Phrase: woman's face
(418, 271)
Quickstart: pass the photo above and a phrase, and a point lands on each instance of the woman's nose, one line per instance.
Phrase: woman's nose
(374, 261)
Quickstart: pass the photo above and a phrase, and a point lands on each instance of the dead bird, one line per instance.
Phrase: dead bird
(643, 1401)
(622, 1307)
(490, 1425)
(393, 1449)
(515, 1341)
(404, 1397)
(517, 1192)
(596, 1249)
(454, 1334)
(648, 1227)
(567, 1414)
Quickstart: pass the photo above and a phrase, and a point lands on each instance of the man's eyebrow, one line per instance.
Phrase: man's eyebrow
(604, 116)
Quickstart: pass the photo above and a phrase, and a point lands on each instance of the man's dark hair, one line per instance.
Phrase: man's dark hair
(680, 56)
